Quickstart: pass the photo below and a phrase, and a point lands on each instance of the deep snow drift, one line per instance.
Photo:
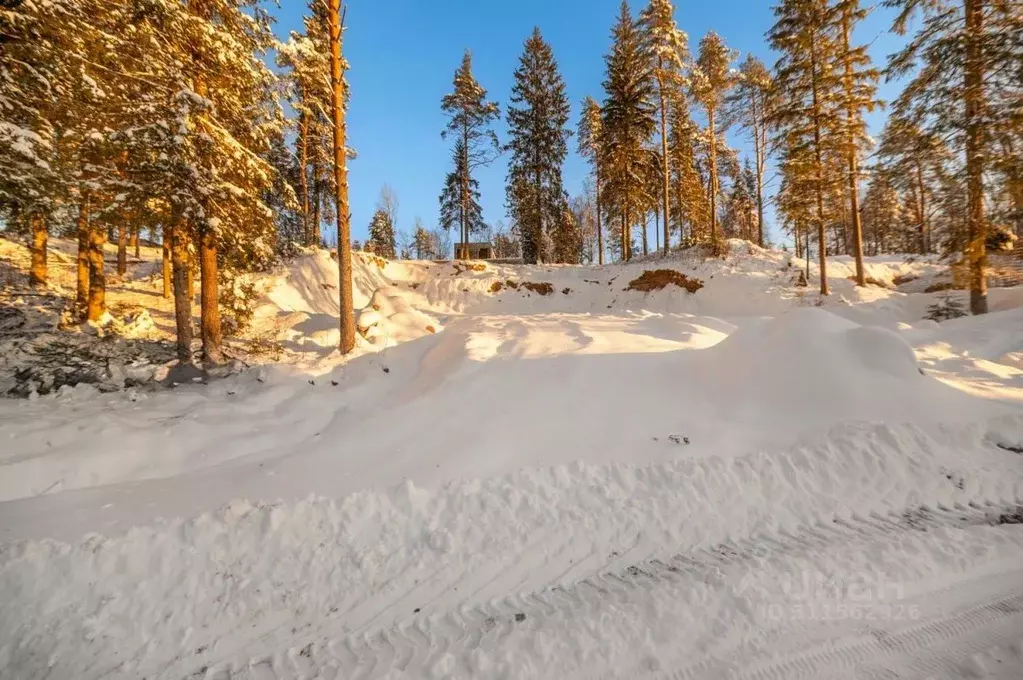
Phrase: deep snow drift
(565, 477)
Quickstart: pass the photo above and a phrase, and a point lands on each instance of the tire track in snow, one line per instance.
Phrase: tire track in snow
(443, 645)
(1001, 620)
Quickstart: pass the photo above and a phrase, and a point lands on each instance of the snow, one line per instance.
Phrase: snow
(506, 483)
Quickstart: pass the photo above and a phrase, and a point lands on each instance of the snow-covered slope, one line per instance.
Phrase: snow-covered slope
(565, 478)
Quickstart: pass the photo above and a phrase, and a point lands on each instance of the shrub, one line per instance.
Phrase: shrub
(948, 307)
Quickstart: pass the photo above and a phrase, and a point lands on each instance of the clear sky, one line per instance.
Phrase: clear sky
(403, 54)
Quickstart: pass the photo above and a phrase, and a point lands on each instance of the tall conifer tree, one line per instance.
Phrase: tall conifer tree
(537, 115)
(470, 116)
(627, 125)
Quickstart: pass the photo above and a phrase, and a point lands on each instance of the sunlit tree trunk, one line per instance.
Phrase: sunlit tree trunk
(122, 248)
(40, 236)
(344, 236)
(82, 260)
(97, 277)
(167, 236)
(976, 253)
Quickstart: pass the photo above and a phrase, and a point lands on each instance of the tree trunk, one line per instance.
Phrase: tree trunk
(666, 168)
(713, 181)
(657, 231)
(122, 248)
(317, 202)
(758, 150)
(821, 237)
(463, 180)
(646, 224)
(854, 201)
(344, 237)
(82, 293)
(136, 234)
(600, 234)
(97, 277)
(209, 299)
(625, 249)
(167, 236)
(303, 178)
(924, 231)
(40, 235)
(976, 253)
(806, 252)
(182, 297)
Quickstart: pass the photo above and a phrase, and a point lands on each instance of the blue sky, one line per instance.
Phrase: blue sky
(403, 54)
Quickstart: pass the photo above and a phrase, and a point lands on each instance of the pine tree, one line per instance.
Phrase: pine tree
(36, 59)
(691, 205)
(537, 115)
(470, 116)
(914, 159)
(627, 124)
(307, 58)
(749, 106)
(882, 212)
(589, 135)
(460, 200)
(670, 50)
(338, 107)
(711, 81)
(962, 57)
(807, 116)
(422, 245)
(857, 95)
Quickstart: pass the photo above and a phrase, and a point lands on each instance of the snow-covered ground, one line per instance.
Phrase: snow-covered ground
(561, 479)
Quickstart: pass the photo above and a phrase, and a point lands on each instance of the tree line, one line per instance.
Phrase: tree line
(119, 117)
(124, 117)
(947, 175)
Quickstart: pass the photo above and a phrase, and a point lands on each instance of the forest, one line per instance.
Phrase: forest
(191, 124)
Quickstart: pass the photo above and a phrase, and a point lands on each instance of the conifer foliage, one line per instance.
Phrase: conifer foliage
(538, 141)
(964, 59)
(807, 117)
(470, 117)
(713, 77)
(627, 124)
(590, 137)
(669, 51)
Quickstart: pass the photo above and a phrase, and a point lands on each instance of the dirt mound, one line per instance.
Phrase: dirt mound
(658, 279)
(540, 287)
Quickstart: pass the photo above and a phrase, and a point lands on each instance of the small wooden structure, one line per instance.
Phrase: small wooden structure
(474, 251)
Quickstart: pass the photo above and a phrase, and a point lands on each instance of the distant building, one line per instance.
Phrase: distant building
(476, 251)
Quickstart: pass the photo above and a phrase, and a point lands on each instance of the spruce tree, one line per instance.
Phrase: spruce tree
(691, 205)
(381, 239)
(711, 82)
(470, 116)
(421, 242)
(538, 141)
(566, 241)
(670, 50)
(807, 114)
(627, 125)
(748, 105)
(589, 135)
